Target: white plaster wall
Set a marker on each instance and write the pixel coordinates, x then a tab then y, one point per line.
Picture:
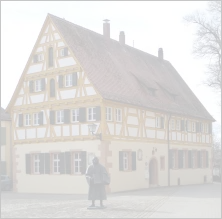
57	37
66	131
178	136
189	137
3	153
57	130
75	130
53	28
37	98
21	134
21	91
118	128
132	131
150	133
39	49
203	138
84	129
86	81
194	137
18	101
174	136
132	120
30	133
111	128
132	110
43	40
41	132
34	68
60	44
150	122
160	134
67	94
207	139
148	113
90	91
66	62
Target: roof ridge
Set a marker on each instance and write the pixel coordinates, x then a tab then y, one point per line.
116	41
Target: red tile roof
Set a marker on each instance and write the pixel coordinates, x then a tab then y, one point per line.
128	75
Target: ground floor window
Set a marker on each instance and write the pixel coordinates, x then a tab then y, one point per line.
55	163
36	162
77	163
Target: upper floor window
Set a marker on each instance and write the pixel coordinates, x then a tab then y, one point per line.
37	58
52	88
77	162
75	115
91	114
27	119
193	126
160	122
64	52
55	162
36	162
108	113
60	116
206	128
178	124
68	80
188	125
172	124
118	115
38	86
50	57
36	119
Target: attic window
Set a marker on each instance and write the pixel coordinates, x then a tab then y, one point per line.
64	52
37	58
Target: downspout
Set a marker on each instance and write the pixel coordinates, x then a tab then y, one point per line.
168	147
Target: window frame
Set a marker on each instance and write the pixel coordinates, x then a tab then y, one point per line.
29	119
36	119
91	114
34	162
178	125
109	114
158	122
57	162
76	115
79	162
38	84
118	112
68	82
60	116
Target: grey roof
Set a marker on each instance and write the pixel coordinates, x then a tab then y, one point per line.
4	116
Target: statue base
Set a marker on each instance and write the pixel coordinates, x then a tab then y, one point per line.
96	207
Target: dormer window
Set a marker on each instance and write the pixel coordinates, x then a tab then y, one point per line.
64	52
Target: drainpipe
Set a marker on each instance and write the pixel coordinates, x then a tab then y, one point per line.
168	147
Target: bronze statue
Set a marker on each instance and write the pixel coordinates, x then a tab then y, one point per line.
97	177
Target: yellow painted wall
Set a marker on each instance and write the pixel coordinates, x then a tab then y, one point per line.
123	181
7	150
51	183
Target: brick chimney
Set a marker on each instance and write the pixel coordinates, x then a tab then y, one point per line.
106	28
122	38
160	53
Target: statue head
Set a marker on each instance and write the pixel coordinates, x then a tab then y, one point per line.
95	160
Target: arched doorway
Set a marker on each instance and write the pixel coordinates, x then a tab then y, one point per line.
153	177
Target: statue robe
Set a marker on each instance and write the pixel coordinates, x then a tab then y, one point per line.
94	177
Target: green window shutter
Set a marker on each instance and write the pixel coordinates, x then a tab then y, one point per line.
52	88
133	160
47	163
197	127
41	118
3	135
42	84
62	163
83	162
50	57
82	114
74	79
182	125
98	113
162	122
60	81
28	163
66	116
31	86
52	117
120	160
42	163
68	162
20	120
180	159
35	58
65	51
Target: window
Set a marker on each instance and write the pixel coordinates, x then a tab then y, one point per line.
36	162
36	119
158	122
27	119
77	163
178	122
193	127
188	125
118	115
75	115
38	85
108	113
91	114
206	128
64	52
201	159
125	160
172	124
37	58
60	116
55	163
162	163
52	88
202	127
50	57
184	159
194	159
68	80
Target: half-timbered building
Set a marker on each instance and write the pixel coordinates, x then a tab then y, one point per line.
150	128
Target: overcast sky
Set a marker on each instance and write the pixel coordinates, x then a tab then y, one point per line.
150	24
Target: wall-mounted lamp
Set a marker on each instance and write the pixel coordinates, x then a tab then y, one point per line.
154	150
92	129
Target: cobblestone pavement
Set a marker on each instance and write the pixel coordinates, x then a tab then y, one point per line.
196	201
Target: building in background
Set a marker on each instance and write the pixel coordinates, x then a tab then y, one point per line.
6	144
150	128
